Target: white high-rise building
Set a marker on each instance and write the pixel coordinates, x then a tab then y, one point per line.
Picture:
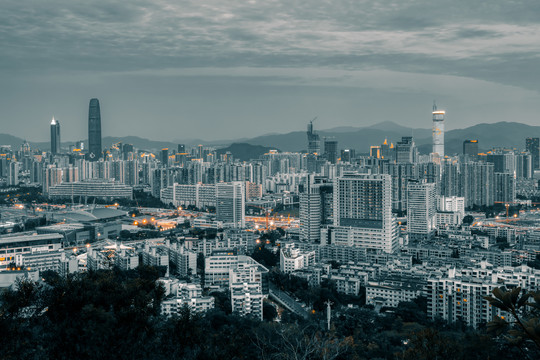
310	215
246	287
363	212
315	207
451	203
230	203
421	207
438	133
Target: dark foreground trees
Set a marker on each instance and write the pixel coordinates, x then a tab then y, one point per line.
520	323
113	314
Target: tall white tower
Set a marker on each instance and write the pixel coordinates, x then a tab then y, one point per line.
438	132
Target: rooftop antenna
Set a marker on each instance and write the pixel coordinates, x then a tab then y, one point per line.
434	106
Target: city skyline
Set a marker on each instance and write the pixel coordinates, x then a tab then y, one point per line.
240	70
270	179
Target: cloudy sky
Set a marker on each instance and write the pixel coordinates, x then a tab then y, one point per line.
224	69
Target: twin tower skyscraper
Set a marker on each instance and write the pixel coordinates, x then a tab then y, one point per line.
94	133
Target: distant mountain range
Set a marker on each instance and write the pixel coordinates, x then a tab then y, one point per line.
502	134
244	152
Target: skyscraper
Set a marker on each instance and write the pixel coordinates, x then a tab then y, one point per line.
94	130
55	137
438	132
347	155
164	157
532	146
406	151
470	147
314	140
330	150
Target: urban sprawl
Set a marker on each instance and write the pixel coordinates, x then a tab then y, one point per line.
384	223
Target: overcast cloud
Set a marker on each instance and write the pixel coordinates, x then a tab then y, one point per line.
230	69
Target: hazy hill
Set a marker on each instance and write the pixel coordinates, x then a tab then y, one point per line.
245	152
13	141
107	141
502	134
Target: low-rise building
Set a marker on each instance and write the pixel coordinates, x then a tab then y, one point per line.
187	295
383	294
120	256
12	245
155	256
293	259
60	261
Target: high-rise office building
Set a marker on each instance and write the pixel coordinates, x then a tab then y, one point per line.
314	140
331	150
375	151
438	132
363	212
230	203
94	131
181	148
55	136
421	207
164	157
127	151
386	150
347	155
470	147
532	145
406	151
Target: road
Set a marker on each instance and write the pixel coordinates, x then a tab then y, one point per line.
287	302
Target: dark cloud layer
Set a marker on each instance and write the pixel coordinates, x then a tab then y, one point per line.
154	49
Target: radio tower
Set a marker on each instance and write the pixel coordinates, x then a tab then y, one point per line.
328	312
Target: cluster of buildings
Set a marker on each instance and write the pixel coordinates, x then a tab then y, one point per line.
391	219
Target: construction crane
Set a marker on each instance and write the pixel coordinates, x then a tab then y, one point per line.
266	211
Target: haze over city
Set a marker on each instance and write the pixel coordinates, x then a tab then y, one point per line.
225	70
